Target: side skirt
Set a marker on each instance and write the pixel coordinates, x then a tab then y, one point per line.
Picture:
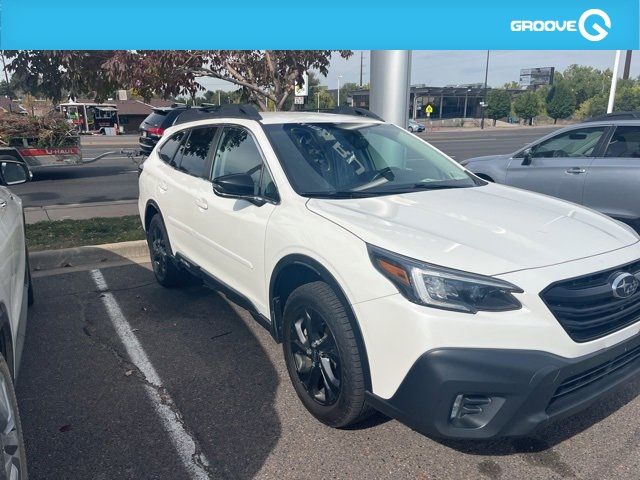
229	292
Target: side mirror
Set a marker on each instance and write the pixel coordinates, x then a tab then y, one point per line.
237	185
526	158
14	173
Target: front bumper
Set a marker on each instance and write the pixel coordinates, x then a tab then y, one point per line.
525	388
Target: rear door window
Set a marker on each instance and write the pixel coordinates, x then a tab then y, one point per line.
169	148
625	143
194	152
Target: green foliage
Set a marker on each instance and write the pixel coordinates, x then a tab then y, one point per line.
527	105
561	101
586	82
499	104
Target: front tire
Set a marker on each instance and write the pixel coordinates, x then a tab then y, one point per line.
167	272
322	356
14	461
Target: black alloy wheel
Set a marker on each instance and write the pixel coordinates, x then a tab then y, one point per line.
316	357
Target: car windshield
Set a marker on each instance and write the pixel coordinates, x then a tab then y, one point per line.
361	159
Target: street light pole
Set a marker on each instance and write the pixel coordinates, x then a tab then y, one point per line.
484	99
339	77
318	95
614	83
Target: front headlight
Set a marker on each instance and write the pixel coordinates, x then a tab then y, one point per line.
444	288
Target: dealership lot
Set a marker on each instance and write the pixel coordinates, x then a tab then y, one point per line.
86	411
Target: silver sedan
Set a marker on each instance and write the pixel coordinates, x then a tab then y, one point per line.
595	164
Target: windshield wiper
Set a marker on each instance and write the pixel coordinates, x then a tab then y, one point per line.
339	194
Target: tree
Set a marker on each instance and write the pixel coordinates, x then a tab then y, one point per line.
526	106
262	73
56	73
512	85
498	104
561	101
586	82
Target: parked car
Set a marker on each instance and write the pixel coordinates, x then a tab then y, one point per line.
16	293
595	164
414	126
395	279
154	126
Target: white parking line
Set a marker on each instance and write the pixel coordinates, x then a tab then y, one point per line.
192	458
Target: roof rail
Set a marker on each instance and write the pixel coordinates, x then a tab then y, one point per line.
219	111
356	111
615	116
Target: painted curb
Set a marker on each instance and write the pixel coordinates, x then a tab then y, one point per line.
92	255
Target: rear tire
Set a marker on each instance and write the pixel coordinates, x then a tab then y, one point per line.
322	356
167	272
14	460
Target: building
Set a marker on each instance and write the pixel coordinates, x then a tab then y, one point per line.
131	113
454	101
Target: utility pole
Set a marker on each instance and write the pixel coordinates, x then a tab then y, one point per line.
390	79
218	97
339	77
484	99
614	83
627	65
361	66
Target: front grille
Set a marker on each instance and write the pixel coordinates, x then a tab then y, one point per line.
586	308
627	361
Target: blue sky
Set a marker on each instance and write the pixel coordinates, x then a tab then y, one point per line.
440	67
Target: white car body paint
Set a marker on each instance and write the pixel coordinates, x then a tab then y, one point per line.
527	239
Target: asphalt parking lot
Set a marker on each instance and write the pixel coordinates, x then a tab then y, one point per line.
221	406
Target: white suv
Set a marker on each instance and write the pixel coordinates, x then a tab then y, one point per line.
395	279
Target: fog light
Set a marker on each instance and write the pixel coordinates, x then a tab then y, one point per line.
474	411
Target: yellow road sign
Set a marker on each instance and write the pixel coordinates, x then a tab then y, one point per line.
428	109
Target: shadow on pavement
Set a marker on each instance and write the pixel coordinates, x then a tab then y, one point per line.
84	409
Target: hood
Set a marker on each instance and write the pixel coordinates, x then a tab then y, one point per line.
488	230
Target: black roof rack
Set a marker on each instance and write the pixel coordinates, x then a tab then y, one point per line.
218	111
355	111
615	116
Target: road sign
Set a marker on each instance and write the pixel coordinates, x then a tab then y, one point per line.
302	90
298	100
428	109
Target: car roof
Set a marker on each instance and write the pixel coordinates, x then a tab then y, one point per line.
269	118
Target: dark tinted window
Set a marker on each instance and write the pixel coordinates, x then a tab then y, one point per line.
170	147
368	158
238	153
194	151
625	143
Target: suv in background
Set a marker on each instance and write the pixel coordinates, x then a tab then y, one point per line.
595	164
396	279
16	293
154	126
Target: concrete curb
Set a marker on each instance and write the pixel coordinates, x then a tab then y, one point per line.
51	262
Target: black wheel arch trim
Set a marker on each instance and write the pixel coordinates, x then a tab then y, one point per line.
276	307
